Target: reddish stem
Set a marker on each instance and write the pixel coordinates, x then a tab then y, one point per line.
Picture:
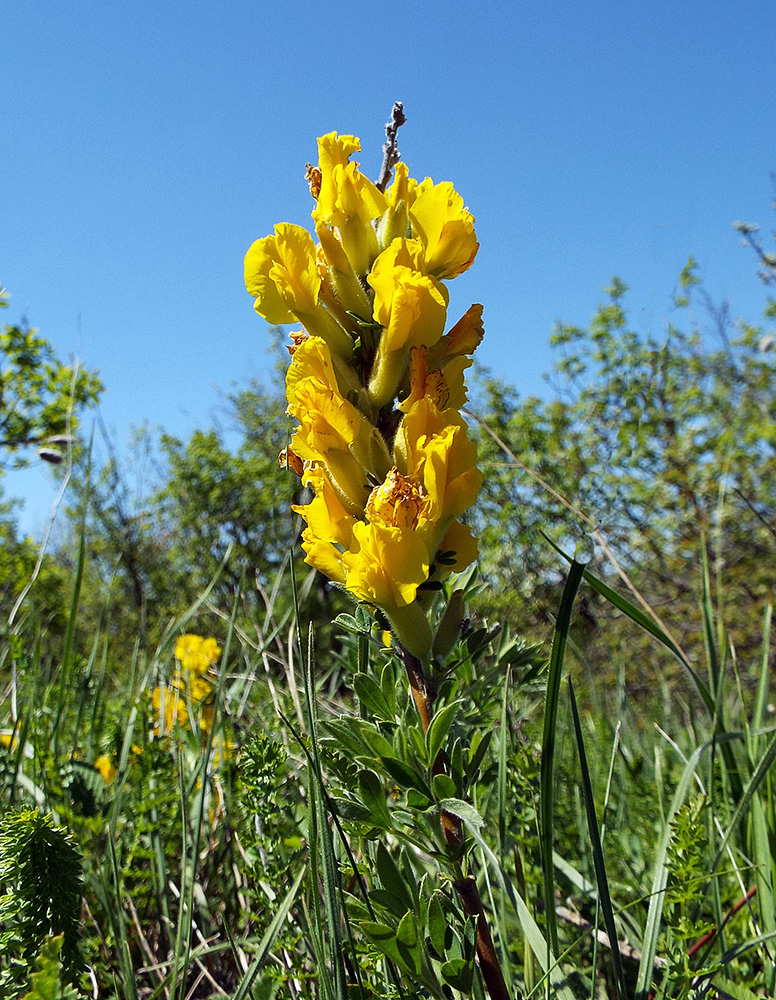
423	694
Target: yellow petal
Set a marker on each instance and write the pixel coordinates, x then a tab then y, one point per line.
446	229
388	567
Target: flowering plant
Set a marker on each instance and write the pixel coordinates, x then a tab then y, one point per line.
376	386
375	383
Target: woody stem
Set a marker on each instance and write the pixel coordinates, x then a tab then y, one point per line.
423	694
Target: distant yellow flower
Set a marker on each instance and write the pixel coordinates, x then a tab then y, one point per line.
197	654
105	766
8	739
169	707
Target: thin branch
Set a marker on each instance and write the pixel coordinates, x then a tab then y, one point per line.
391	154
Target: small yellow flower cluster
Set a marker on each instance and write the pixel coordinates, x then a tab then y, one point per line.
105	766
190	685
375	383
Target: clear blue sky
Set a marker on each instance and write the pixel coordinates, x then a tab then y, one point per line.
146	145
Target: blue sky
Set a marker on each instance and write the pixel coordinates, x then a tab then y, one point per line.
148	144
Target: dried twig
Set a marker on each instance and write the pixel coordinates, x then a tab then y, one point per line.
391	154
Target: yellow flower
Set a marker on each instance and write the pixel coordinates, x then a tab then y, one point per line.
459	548
386	569
445	387
8	739
445	228
331	429
348	201
387	566
464	338
326	515
197	654
394	223
333	151
105	766
281	273
324	556
169	707
398	502
412	309
432	446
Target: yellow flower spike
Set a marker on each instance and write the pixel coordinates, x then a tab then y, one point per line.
412	309
281	273
197	654
445	228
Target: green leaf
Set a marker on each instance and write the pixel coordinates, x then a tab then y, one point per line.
405	776
417	800
464	811
387	900
391	878
546	799
373	740
405	953
437	926
408	942
388	688
437	731
444	787
349	809
371	696
732	991
459	974
373	796
349	624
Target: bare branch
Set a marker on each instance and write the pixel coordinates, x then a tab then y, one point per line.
391	154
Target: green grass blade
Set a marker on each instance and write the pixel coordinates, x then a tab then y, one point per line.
547	782
660	878
755	780
602	881
322	846
244	988
761	700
